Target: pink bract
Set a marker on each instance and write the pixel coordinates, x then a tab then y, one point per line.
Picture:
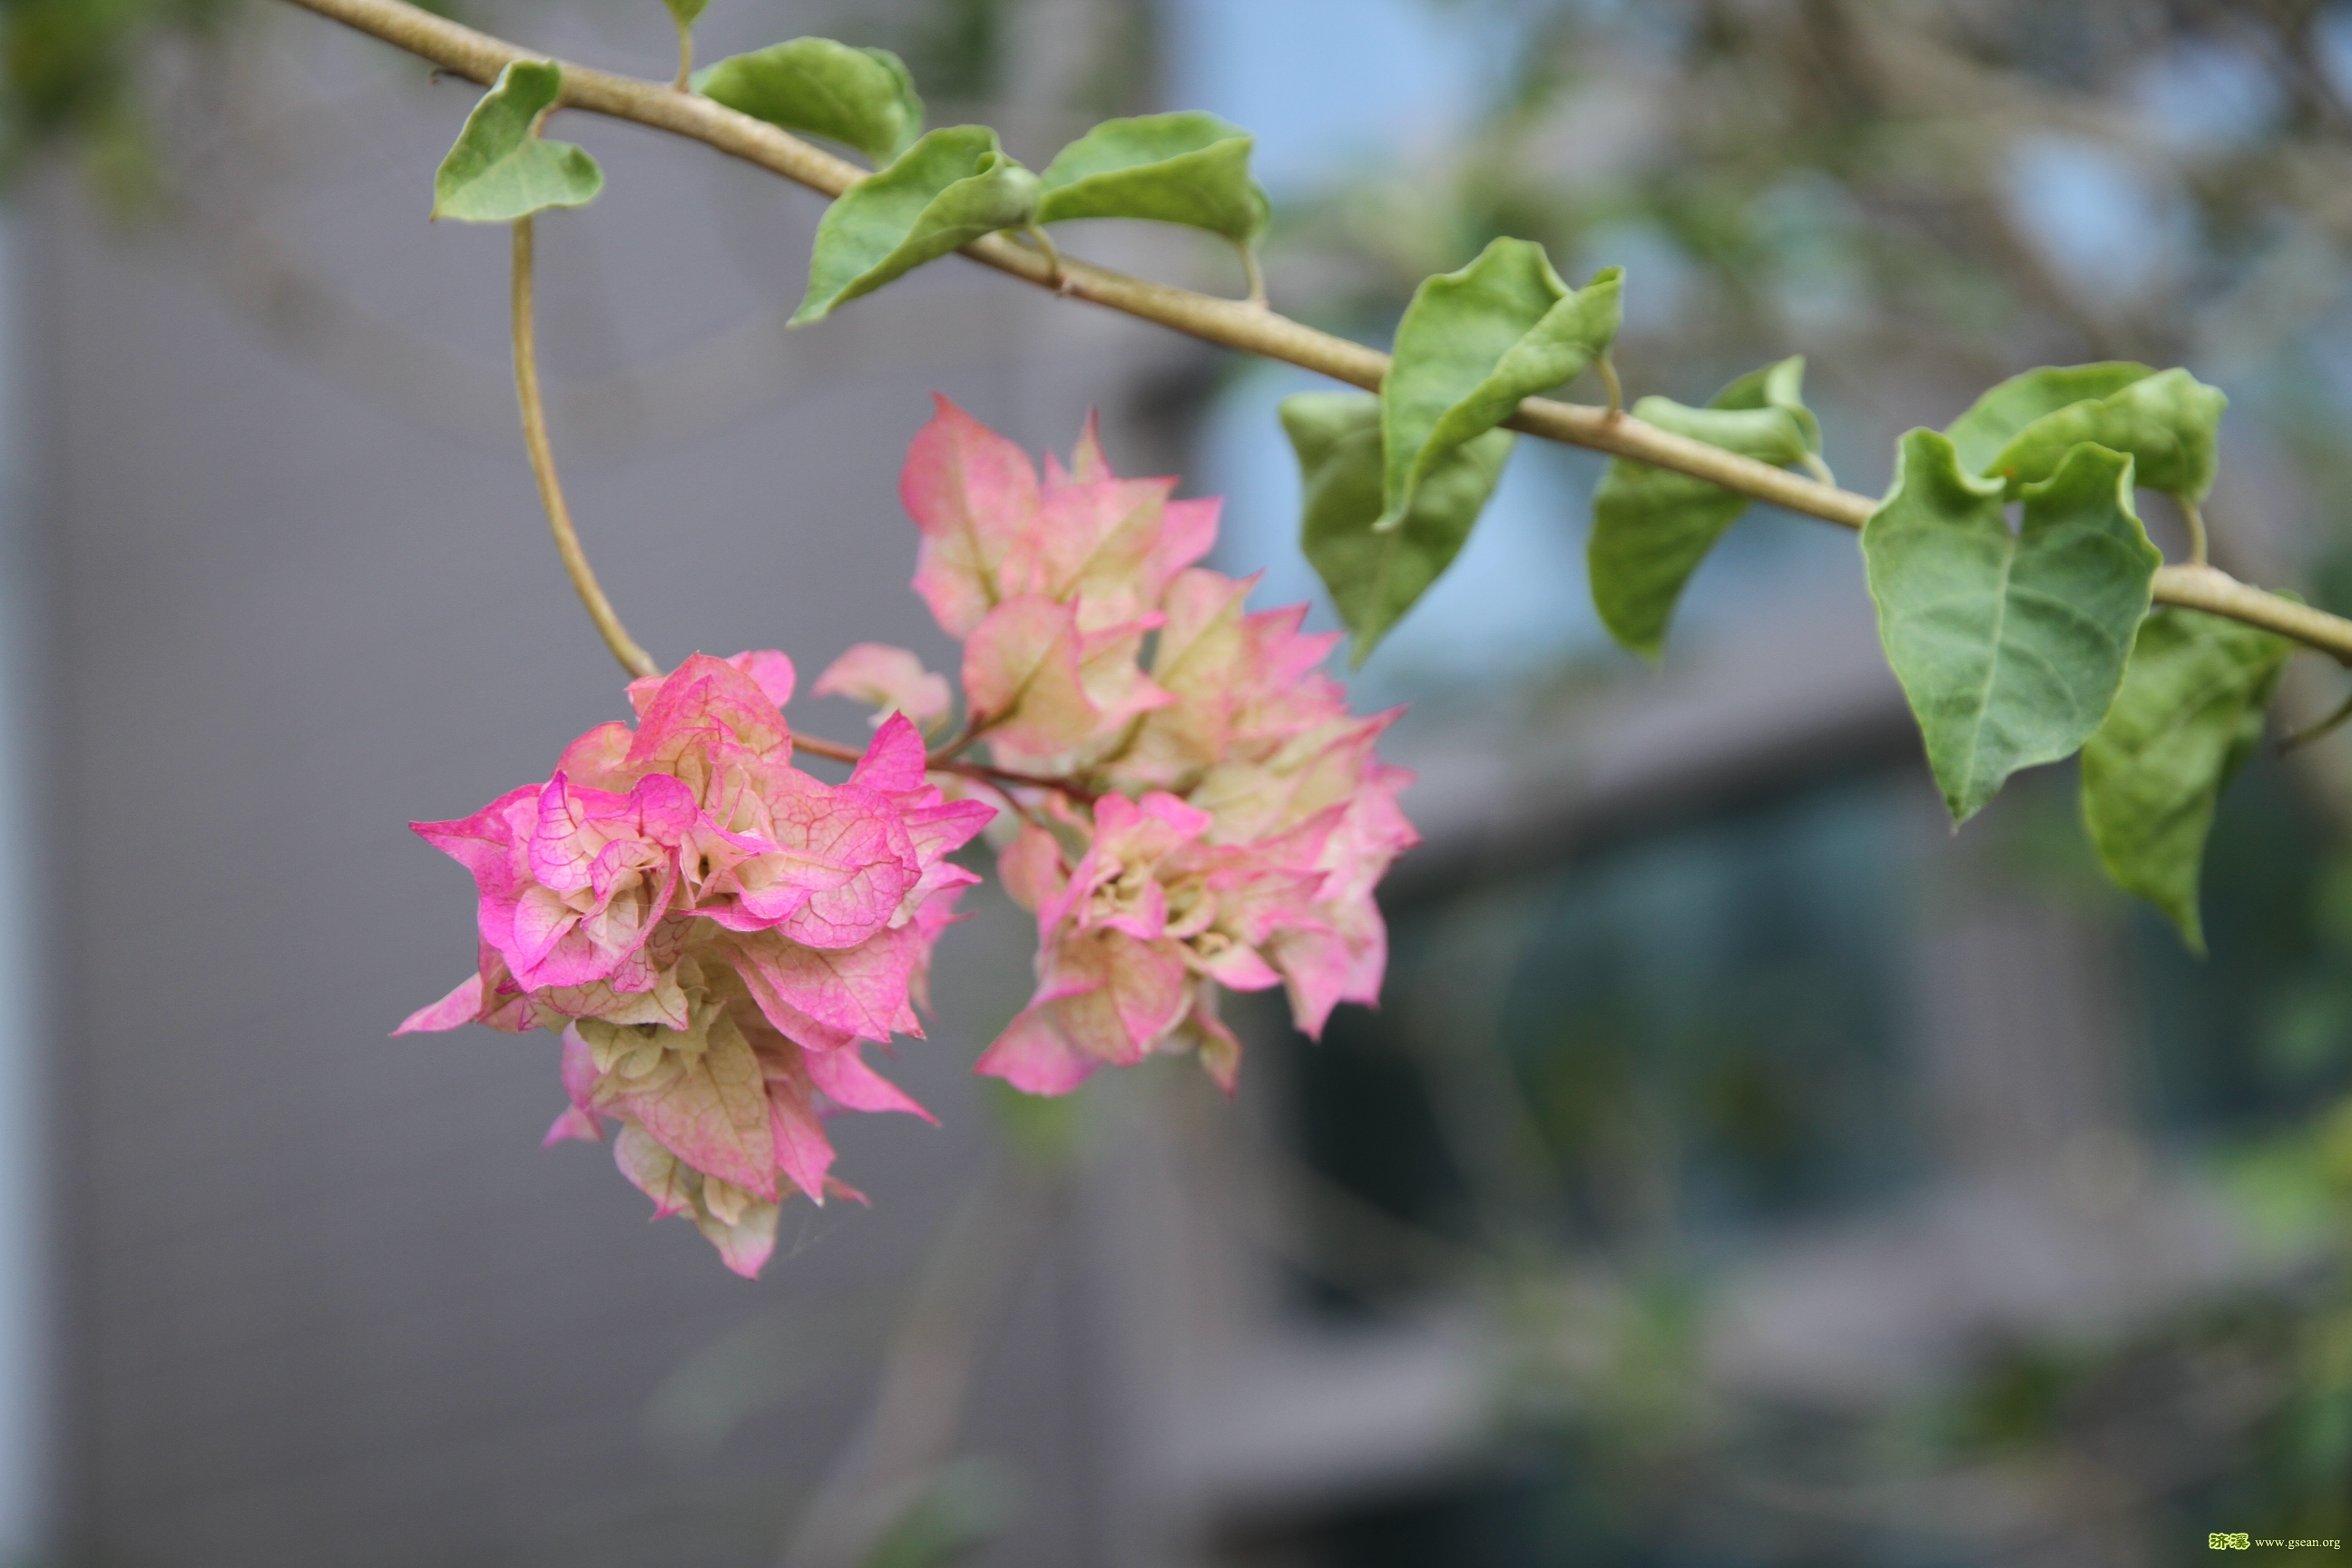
715	934
1223	820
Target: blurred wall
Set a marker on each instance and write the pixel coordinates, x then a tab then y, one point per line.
327	1299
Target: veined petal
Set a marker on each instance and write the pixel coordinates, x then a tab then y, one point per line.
1031	868
891	679
462	1005
848	1080
745	1240
895	760
861	990
802	1152
699	717
1119	997
1034	1057
1048	687
572	1124
712	1112
974	494
653	1171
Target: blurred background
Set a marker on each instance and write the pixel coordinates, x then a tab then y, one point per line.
1742	1169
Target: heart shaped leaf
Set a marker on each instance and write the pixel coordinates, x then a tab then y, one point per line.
2168	421
2188	718
948	189
499	171
1472	345
1188	167
1374	575
2009	645
863	98
1652	527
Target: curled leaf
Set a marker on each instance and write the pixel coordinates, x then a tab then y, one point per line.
1189	167
1994	419
2168	420
1475	344
948	189
861	98
1652	527
2188	718
1376	575
2010	647
500	170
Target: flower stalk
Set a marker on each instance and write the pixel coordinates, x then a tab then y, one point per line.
633	658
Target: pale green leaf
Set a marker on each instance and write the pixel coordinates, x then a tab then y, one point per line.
1472	345
2009	645
2168	420
1188	168
686	12
1375	575
2169	423
948	189
1996	417
500	170
1652	527
863	98
2189	716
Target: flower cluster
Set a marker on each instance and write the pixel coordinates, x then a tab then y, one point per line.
714	933
1217	817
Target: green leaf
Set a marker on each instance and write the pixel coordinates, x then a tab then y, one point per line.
1188	168
2009	645
949	188
686	12
2168	420
2010	407
500	170
1652	527
860	97
1374	574
1474	343
2188	718
946	1517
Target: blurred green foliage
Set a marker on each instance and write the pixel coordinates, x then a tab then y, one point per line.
70	72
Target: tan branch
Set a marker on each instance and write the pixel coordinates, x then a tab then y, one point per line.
1236	324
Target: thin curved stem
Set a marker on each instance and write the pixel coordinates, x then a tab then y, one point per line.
946	762
685	82
2295	739
1236	323
633	659
1253	275
826	749
2195	518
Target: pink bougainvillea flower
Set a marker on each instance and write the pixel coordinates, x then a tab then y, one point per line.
1224	819
1052	692
715	934
891	680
